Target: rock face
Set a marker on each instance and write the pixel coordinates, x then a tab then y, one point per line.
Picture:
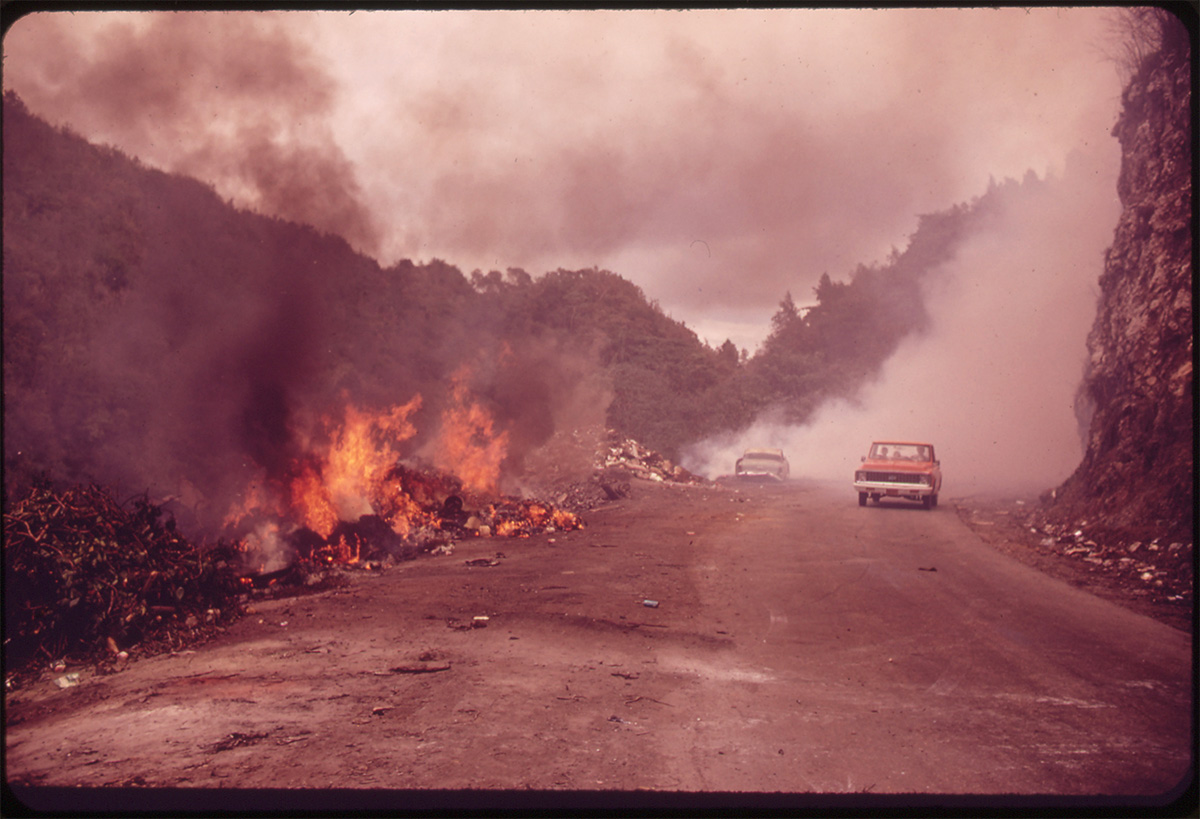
1136	478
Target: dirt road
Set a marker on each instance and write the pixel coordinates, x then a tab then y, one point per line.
800	645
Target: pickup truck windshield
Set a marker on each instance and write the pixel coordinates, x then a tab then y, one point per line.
900	452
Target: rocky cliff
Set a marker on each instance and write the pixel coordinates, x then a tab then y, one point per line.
1136	480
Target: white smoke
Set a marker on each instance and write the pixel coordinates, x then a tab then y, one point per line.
992	383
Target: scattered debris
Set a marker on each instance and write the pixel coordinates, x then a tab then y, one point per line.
67	680
629	455
582	468
476	622
651	699
650	604
1135	561
924	569
236	740
289	740
419	669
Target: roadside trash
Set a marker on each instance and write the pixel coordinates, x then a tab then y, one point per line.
479	621
419	669
482	561
925	569
235	740
650	604
381	709
615	718
67	680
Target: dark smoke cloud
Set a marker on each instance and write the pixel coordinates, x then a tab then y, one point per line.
716	158
234	99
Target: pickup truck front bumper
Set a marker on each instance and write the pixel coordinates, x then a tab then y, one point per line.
890	489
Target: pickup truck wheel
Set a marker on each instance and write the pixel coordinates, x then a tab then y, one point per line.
933	499
862	498
927	501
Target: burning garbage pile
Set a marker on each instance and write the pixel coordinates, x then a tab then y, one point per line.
352	500
416	509
87	580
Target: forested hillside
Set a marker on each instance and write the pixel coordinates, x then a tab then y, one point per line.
155	337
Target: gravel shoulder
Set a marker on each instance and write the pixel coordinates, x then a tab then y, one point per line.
1155	579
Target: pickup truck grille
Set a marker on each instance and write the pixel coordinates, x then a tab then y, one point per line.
893	477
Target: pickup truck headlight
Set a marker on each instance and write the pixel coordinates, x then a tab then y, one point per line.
923	480
860	476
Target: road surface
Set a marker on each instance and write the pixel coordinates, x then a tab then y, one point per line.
801	646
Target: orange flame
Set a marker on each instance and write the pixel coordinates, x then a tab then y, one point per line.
352	469
344	482
361	451
310	497
467	444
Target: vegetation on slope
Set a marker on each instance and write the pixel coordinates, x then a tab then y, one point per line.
156	337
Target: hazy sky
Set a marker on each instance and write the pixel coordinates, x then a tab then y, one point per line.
715	158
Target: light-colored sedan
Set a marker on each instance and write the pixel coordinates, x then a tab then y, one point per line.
762	463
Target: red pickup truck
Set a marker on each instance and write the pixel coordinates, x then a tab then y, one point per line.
899	469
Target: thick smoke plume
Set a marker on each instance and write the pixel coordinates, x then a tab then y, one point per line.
234	99
716	158
993	383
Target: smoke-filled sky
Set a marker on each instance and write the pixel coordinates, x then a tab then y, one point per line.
716	158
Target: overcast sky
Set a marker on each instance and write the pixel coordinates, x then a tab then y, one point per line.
716	158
